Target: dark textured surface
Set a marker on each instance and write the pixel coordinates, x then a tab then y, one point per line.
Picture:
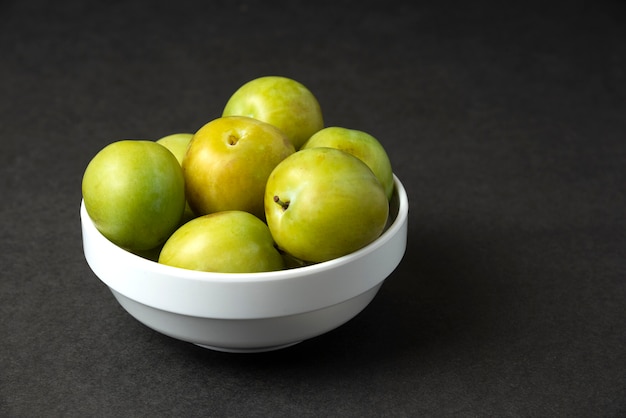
506	123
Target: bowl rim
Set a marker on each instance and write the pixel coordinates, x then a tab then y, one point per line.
277	275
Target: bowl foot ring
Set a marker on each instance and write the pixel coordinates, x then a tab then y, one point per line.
248	350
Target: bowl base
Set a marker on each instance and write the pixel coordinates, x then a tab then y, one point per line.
248	350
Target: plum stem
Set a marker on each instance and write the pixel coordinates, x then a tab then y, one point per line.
284	205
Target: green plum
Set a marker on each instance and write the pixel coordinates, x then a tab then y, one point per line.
323	203
224	242
228	162
279	101
178	144
134	193
360	144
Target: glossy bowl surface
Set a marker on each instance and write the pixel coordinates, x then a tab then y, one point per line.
240	312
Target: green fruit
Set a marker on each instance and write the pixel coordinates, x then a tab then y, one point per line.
178	144
360	144
279	101
323	203
224	242
134	193
228	162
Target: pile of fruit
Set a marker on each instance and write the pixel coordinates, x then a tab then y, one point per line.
265	186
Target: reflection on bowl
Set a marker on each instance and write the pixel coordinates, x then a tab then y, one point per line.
239	312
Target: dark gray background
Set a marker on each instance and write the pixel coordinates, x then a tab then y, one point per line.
506	121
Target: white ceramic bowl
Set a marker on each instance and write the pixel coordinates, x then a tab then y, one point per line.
240	312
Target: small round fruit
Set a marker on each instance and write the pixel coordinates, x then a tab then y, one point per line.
279	101
177	144
323	203
223	242
134	193
360	144
228	162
